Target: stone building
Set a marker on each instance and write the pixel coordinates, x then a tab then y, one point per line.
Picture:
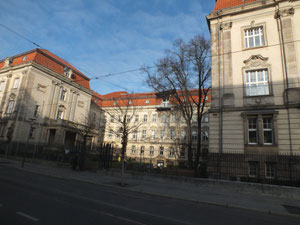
255	105
42	97
159	131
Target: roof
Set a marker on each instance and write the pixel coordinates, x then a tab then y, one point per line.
223	4
121	98
50	61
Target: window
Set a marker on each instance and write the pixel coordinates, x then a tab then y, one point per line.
254	37
172	152
194	119
162	134
142	150
10	106
16	83
164	119
152	134
36	111
165	103
130	102
253	169
151	150
31	131
63	95
161	151
183	135
173	118
193	152
110	134
145	118
134	135
133	149
173	134
257	82
60	114
261	130
205	118
2	85
182	152
205	135
115	103
194	135
252	131
112	119
144	132
270	170
128	118
147	101
136	119
154	118
268	130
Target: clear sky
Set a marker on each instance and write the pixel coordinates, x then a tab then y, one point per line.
102	37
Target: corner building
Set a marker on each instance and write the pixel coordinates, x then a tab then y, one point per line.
255	105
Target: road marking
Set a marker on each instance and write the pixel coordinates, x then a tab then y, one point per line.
122	218
27	216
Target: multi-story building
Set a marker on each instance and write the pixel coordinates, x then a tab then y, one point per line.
42	97
158	133
255	104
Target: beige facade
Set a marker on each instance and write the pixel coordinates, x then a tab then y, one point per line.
160	134
43	97
255	104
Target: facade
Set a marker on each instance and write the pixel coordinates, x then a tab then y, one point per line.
255	104
44	100
158	133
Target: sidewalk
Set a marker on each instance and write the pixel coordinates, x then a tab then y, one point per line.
179	190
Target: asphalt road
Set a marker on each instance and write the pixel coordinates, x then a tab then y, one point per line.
27	198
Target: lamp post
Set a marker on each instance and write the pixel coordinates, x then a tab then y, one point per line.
29	136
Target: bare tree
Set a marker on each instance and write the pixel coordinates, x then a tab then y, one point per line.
86	129
184	74
123	123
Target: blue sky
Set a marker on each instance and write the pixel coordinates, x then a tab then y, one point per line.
101	36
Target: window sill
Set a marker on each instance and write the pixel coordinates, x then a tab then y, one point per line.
261	145
256	47
259	96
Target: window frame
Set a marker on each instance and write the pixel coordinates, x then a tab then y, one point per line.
248	83
253	26
16	83
2	85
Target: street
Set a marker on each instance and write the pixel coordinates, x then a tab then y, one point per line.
28	198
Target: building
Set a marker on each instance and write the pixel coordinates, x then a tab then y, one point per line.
255	105
44	100
158	133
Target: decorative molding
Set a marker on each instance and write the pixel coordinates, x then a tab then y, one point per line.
284	12
226	26
256	60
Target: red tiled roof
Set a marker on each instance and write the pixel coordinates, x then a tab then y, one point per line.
138	99
222	4
50	61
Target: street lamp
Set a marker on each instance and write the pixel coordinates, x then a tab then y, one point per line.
29	136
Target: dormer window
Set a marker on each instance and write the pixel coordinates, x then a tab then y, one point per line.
165	103
130	102
68	72
147	101
115	103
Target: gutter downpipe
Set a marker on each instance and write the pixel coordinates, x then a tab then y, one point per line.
220	100
278	17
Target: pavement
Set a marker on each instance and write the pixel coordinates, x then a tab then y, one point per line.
211	195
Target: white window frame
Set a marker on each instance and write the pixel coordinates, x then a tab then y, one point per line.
257	82
136	118
268	128
2	83
161	151
152	134
142	150
60	114
133	149
134	135
172	152
145	118
144	134
256	34
16	83
162	134
154	117
164	118
10	106
252	129
63	94
151	151
173	135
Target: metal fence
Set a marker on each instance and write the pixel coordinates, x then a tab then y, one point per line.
272	168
